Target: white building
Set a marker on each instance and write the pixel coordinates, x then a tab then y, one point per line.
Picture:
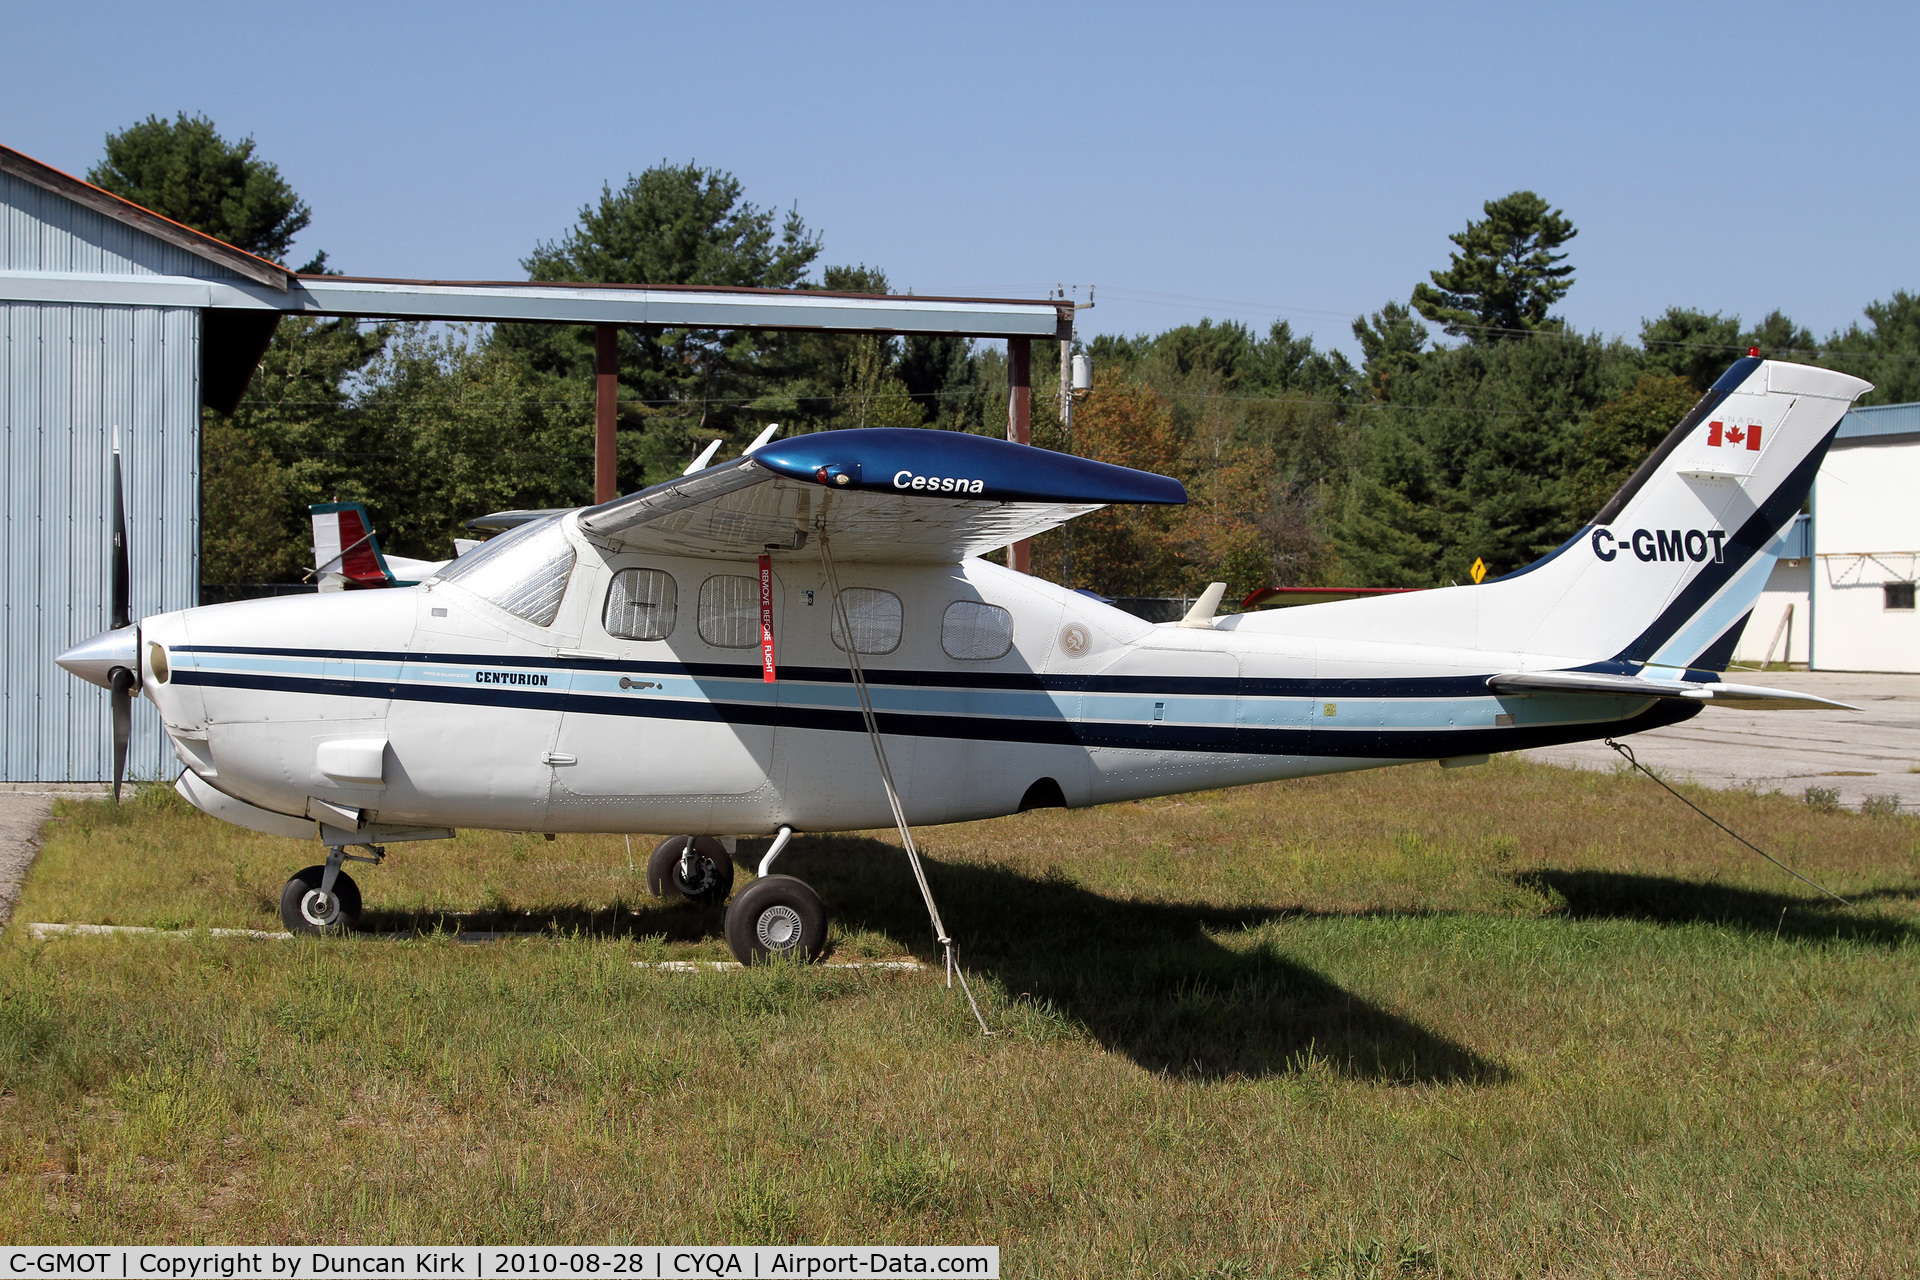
1866	544
1841	596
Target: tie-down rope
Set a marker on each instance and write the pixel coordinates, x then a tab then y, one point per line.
852	648
1626	753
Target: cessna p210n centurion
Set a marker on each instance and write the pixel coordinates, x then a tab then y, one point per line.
806	638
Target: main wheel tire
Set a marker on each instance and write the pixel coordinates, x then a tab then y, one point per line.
712	880
777	917
303	911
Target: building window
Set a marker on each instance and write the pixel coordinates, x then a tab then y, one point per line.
1899	595
641	604
874	616
730	611
976	632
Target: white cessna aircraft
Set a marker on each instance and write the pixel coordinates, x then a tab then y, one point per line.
708	656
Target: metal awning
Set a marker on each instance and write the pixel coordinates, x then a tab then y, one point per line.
663	306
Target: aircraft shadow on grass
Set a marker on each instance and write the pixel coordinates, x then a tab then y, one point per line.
1599	895
1145	979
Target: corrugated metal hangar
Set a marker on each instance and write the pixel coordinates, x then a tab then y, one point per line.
117	320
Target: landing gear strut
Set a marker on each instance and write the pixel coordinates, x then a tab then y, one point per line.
324	899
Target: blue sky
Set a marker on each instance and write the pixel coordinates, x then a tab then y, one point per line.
1254	162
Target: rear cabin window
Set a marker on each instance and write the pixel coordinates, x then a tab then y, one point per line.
976	632
729	615
874	616
523	571
641	604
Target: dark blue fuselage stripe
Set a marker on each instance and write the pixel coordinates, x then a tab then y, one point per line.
1466	686
1235	740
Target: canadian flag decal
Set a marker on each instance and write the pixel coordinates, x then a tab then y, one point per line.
1720	434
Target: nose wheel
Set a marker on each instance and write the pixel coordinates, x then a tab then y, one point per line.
307	908
324	899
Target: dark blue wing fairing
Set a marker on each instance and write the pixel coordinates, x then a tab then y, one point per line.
953	464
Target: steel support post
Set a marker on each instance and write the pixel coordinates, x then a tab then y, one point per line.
606	392
1020	425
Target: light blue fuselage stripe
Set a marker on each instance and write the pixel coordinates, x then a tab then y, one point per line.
1200	710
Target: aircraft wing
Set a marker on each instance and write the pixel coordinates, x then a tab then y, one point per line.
501	521
891	494
1744	697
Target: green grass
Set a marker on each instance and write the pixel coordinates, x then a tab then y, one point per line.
1508	1021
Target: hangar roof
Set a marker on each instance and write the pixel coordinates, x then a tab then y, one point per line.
1874	420
239	261
264	287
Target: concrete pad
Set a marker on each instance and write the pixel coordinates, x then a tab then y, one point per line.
21	816
1870	752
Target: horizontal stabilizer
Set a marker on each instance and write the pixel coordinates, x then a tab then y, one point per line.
1745	697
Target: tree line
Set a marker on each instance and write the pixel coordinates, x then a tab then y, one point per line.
1304	468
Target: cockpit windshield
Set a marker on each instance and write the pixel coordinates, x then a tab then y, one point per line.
523	570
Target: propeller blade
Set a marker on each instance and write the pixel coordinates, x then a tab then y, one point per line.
122	725
120	614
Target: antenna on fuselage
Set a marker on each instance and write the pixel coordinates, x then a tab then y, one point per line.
1201	615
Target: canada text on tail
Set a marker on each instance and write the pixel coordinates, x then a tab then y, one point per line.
1660	582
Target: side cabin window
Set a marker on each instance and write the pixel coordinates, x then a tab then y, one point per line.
523	571
874	616
729	614
976	632
641	604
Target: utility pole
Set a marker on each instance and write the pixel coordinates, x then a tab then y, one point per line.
1020	426
606	396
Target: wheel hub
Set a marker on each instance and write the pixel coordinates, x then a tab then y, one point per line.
320	909
700	879
778	928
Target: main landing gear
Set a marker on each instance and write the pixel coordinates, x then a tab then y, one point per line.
324	899
775	917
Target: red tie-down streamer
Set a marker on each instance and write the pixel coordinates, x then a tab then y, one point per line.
766	619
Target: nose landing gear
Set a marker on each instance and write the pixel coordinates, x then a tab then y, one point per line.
324	899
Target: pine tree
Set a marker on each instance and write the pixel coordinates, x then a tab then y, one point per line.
1506	274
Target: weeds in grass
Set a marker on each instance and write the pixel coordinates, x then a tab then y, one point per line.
1822	799
1880	806
1374	1260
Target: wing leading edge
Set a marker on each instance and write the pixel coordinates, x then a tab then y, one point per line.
1744	697
889	494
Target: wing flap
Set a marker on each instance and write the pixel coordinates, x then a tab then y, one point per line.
1745	697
